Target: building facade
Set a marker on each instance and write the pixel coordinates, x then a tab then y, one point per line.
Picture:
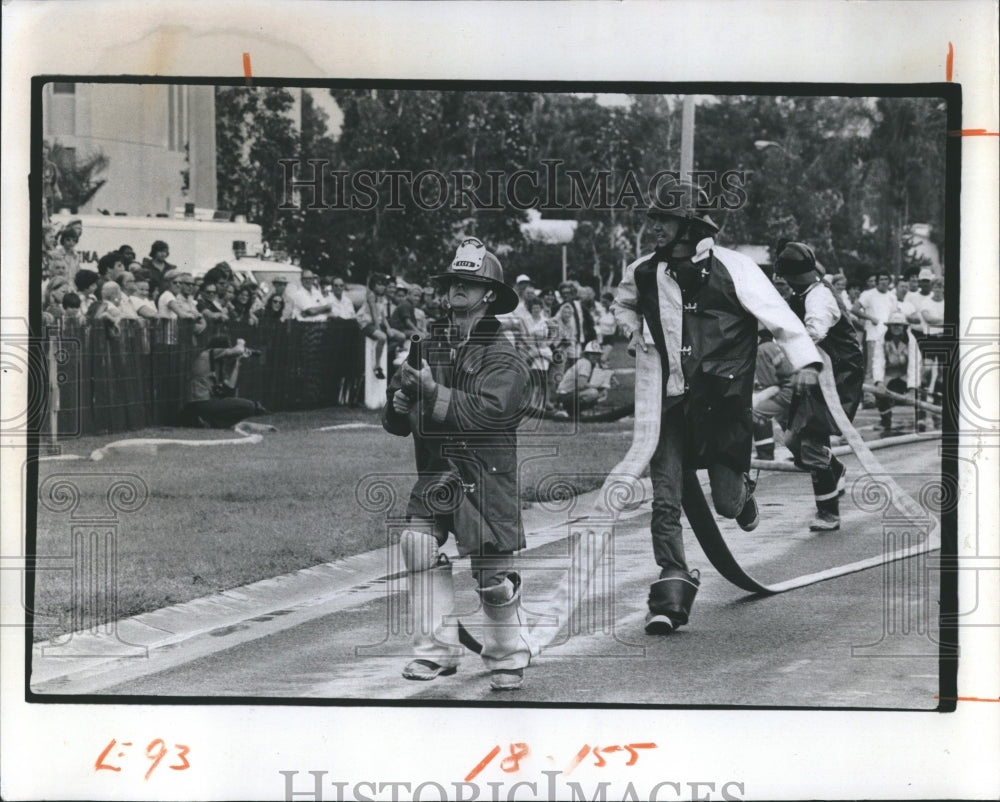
159	140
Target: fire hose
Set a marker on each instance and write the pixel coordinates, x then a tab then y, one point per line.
623	485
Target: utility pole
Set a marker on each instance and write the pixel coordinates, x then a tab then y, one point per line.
687	137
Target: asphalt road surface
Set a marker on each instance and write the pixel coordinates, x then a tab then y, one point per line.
864	640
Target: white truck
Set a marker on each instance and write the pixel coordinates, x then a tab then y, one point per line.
196	245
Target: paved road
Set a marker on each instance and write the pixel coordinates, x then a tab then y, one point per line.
862	640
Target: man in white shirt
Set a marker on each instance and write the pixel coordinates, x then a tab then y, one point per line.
921	297
516	322
166	304
138	293
341	305
904	301
874	307
306	302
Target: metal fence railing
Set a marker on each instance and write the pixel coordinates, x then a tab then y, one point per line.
110	381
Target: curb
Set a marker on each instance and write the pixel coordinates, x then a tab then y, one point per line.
78	655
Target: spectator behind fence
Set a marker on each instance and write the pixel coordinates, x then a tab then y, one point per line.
211	397
607	326
581	319
107	310
221	271
403	317
305	302
541	333
127	307
157	266
550	301
210	306
565	345
516	322
930	339
432	305
227	295
52	308
341	305
166	304
374	320
274	304
137	290
874	307
86	282
901	291
127	253
63	258
72	308
243	306
110	266
922	296
186	301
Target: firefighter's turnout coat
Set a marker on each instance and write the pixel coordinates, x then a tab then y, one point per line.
701	315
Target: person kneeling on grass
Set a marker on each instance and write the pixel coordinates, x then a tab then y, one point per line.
212	401
584	384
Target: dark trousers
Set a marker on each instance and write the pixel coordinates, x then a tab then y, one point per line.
730	490
219	413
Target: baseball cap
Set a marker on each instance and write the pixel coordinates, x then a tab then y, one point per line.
926	274
524	278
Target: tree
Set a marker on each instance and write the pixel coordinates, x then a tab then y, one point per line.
847	175
77	181
254	131
428	133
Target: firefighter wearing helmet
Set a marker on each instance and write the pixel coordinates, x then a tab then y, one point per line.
462	408
696	307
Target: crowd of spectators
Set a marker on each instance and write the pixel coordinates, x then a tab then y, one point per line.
565	333
554	327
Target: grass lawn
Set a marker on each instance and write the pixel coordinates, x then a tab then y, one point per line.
222	516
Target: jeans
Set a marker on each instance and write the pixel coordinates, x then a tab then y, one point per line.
730	489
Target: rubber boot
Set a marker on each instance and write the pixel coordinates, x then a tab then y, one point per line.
827	501
749	516
839	474
431	591
763	438
506	651
670	600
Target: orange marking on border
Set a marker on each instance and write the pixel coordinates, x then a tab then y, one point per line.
246	69
966	699
482	763
577	759
949	62
973	132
